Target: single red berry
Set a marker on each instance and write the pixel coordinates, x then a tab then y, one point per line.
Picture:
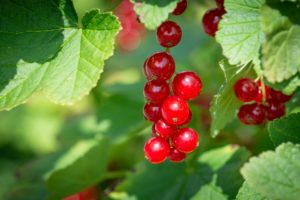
188	120
176	156
87	194
275	110
152	112
175	110
156	91
156	150
180	8
146	73
252	114
186	140
168	34
187	85
246	89
163	129
154	133
279	96
160	66
220	3
259	98
211	19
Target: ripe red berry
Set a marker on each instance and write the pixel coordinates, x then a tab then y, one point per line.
180	8
279	96
275	110
175	110
146	73
187	85
159	66
246	89
176	156
152	112
259	98
87	194
156	91
156	150
252	114
186	140
188	120
163	129
211	19
220	3
168	34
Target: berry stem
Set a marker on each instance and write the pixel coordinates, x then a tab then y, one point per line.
263	89
168	50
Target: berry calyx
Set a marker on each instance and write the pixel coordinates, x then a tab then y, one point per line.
175	110
211	19
163	129
275	110
187	85
252	114
260	95
186	140
180	8
168	34
156	91
159	66
279	96
246	89
152	112
176	156
156	150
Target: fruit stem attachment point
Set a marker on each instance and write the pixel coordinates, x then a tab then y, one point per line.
168	50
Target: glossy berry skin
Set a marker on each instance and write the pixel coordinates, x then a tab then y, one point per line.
156	91
145	71
278	96
275	110
152	112
156	150
246	89
188	120
220	3
186	140
163	129
180	8
259	98
176	156
175	110
160	66
187	85
252	114
211	19
87	194
153	131
168	34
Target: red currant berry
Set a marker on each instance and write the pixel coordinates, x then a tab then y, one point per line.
220	3
275	110
259	98
187	85
160	66
252	114
246	89
156	150
185	140
169	34
146	73
279	96
163	129
175	110
188	120
180	8
211	19
152	112
176	156
156	91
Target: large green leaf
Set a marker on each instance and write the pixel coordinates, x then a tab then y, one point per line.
286	129
153	12
247	193
215	168
43	49
275	174
209	192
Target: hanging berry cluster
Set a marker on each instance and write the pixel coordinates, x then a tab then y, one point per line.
212	17
167	105
262	102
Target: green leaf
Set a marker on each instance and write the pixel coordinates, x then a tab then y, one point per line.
240	33
247	193
153	12
43	49
169	181
285	129
275	174
209	192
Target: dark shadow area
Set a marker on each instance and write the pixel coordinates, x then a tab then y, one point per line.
160	3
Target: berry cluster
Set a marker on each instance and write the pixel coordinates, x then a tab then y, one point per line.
166	99
212	17
263	102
